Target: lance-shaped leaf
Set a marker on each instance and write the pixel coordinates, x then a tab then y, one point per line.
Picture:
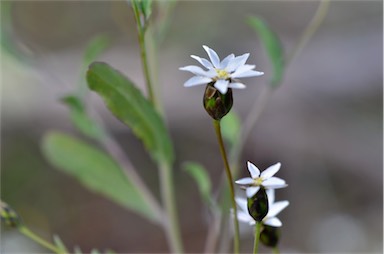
272	45
95	170
82	121
230	127
129	105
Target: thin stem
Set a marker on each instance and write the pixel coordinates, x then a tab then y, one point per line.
257	237
171	223
310	29
115	150
276	250
28	233
141	28
230	181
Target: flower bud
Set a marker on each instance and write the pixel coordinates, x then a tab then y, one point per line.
258	205
217	104
9	216
270	236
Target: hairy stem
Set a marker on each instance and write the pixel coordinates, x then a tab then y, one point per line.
230	182
257	237
28	233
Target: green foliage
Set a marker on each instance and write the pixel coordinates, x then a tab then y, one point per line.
272	46
200	175
230	127
81	120
95	47
95	170
129	105
59	244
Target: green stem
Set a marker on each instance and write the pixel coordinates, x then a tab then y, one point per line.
257	237
141	28
28	233
310	29
230	181
172	223
276	250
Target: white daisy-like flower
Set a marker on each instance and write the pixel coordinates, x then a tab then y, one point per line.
265	179
270	219
223	73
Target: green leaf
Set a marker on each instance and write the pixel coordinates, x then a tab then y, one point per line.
200	175
81	120
95	47
95	170
146	8
129	105
59	244
272	45
230	127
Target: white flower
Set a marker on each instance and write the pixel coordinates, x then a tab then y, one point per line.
223	73
270	219
265	179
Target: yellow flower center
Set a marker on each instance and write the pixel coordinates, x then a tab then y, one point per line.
258	181
222	74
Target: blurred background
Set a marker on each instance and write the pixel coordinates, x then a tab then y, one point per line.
324	124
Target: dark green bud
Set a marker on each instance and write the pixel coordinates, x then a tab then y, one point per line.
258	205
217	104
270	236
8	216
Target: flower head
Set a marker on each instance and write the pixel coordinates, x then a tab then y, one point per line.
223	74
270	219
265	179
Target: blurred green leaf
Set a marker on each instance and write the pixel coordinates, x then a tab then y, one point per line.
230	127
272	45
77	250
95	251
146	8
81	120
95	170
95	47
59	244
200	175
129	105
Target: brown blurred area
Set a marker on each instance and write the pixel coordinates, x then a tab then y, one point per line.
324	124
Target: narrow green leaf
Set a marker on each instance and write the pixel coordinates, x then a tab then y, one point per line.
230	127
200	175
129	105
77	250
95	251
95	170
95	47
81	120
59	244
146	8
272	45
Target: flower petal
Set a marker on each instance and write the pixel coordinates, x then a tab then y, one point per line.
242	203
251	191
276	208
237	62
274	222
197	80
244	217
226	60
245	181
236	85
222	85
242	69
253	170
271	196
270	171
213	56
203	61
248	74
274	183
195	70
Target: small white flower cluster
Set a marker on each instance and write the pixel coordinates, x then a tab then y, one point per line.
253	184
223	73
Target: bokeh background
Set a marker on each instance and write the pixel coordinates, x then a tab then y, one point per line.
324	123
